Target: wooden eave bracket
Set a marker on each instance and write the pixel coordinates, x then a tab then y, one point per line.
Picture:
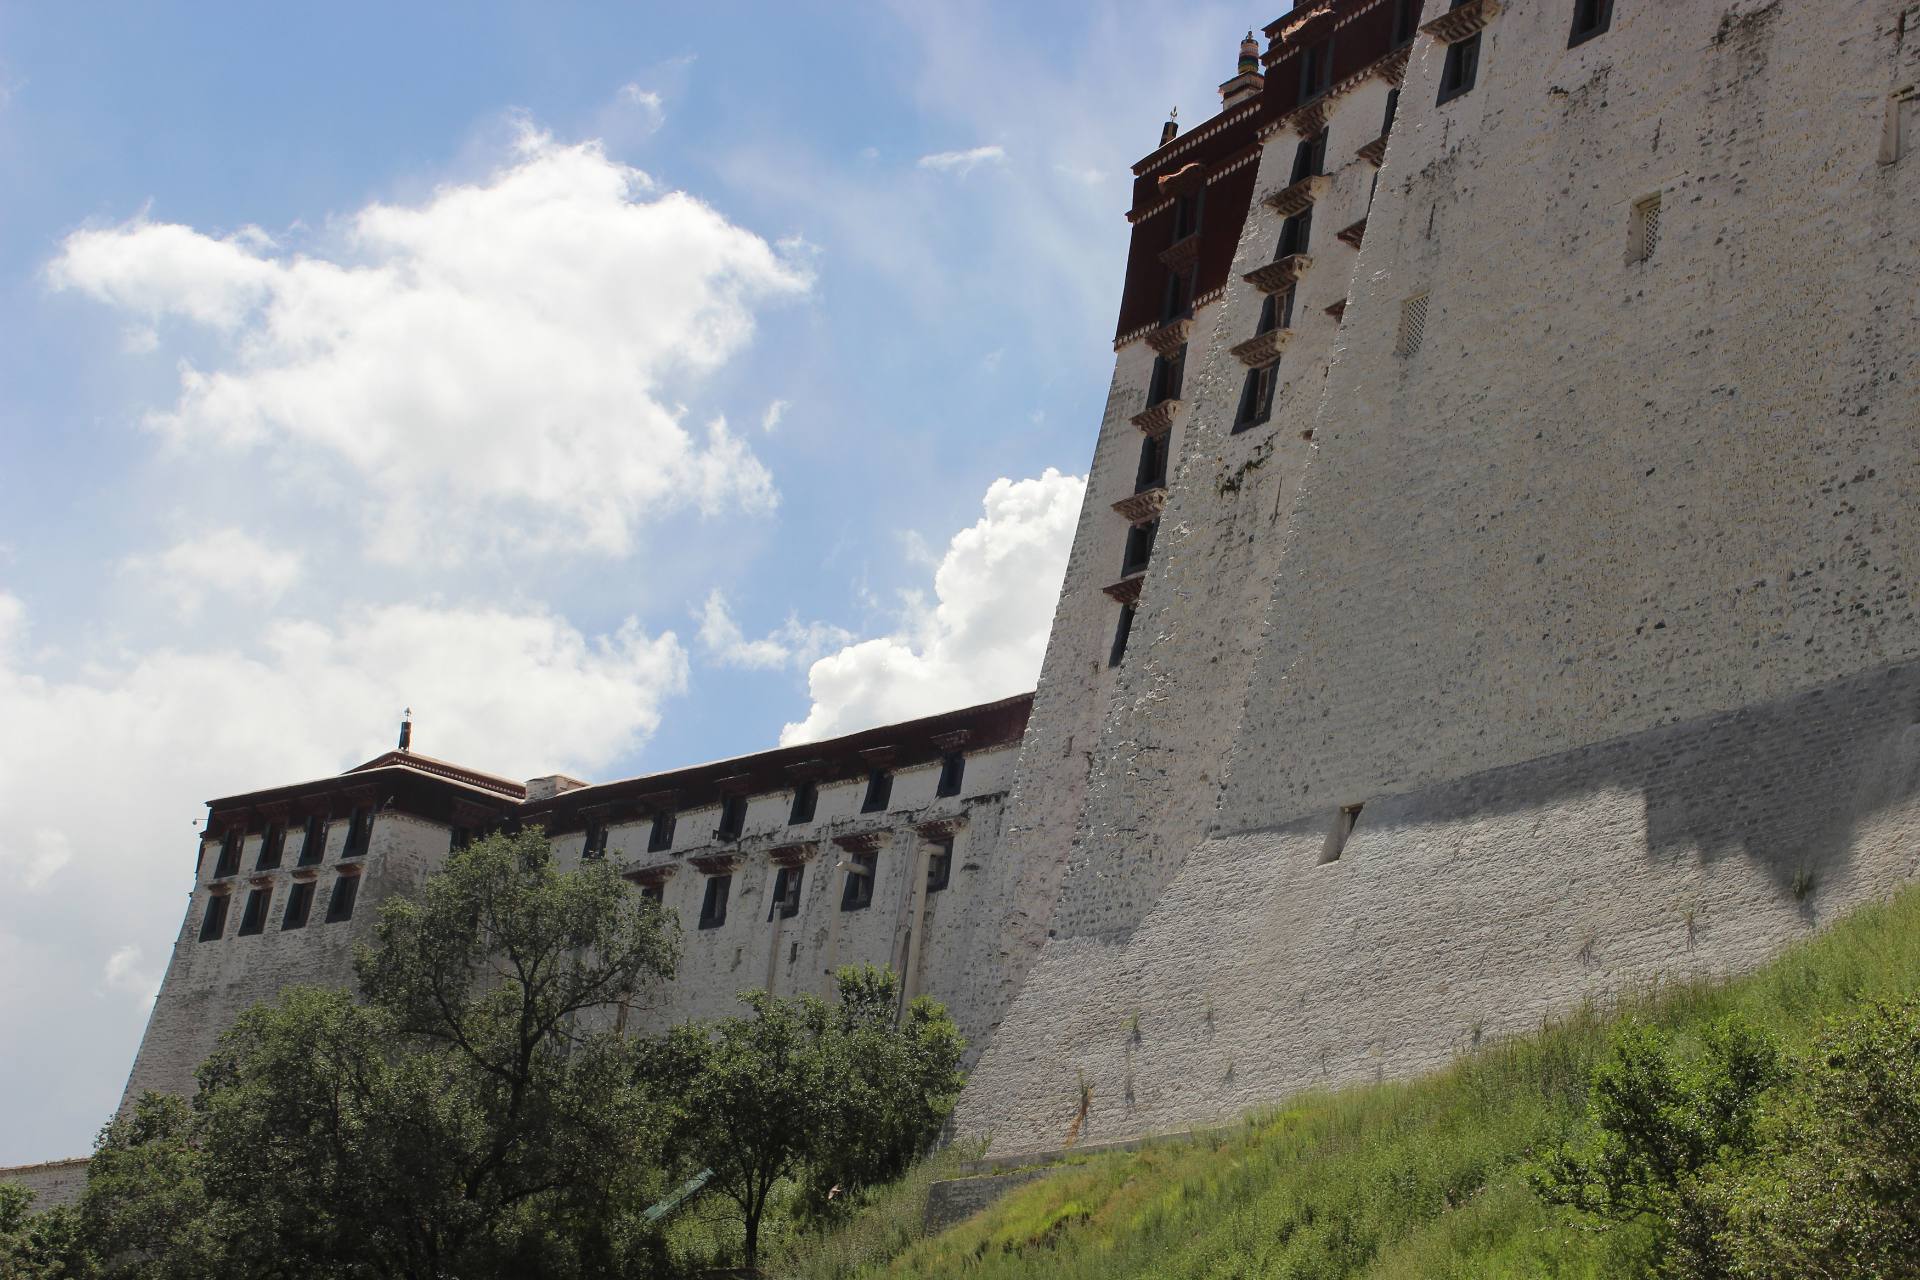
1141	507
658	873
862	841
952	739
717	864
942	828
879	757
1280	275
1188	179
1393	67
1353	233
1182	253
1156	420
1298	197
1375	152
1127	590
1171	336
1261	348
793	855
1338	310
1463	23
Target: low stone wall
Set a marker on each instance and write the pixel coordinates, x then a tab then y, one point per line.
53	1183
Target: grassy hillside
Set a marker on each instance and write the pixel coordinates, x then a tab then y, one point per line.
1402	1180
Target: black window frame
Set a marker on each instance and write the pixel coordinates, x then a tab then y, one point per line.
1176	303
1461	72
655	891
1316	70
1169	372
1406	22
660	835
713	904
299	906
359	833
1590	18
940	866
1186	216
593	841
953	774
1393	109
213	921
1137	554
879	791
341	901
313	841
1122	631
1296	234
1256	397
1152	471
253	916
806	803
733	818
786	892
863	868
1276	313
273	844
232	841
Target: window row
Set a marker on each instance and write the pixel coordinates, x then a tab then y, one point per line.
254	915
805	803
856	893
313	843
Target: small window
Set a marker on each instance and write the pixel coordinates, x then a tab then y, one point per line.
953	771
1590	18
1413	325
1168	373
340	905
593	846
1152	472
229	861
299	906
1178	299
806	799
1316	70
214	922
1406	21
858	893
733	818
272	845
940	866
1256	396
656	892
1275	313
1139	547
313	843
661	837
713	908
1644	229
1295	234
359	833
1343	824
253	918
1186	216
1121	630
879	791
1462	68
1309	158
1393	106
786	893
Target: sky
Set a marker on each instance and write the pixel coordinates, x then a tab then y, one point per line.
619	387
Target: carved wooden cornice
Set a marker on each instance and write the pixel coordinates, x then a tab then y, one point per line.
879	757
657	874
1280	275
717	864
734	784
1375	152
1141	507
1156	420
1171	336
1181	254
1353	233
1393	67
1188	179
1463	23
1261	348
938	829
221	888
793	855
952	740
863	841
1127	590
1338	310
1299	197
306	873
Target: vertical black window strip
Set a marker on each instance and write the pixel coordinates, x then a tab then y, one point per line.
214	922
1122	630
299	905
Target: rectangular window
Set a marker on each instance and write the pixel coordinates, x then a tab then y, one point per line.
229	861
940	866
786	893
1275	313
340	905
858	894
313	843
1413	325
1178	300
1590	18
1461	70
214	922
253	918
1316	70
593	847
1186	217
299	906
1168	372
661	837
1343	824
459	838
359	833
272	844
733	818
879	791
806	799
1139	547
1121	631
1309	158
1644	229
953	771
1152	472
1406	21
1295	234
713	908
655	893
1256	396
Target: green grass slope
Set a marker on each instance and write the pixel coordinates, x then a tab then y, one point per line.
1417	1179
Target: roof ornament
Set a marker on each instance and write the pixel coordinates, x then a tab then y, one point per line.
1171	127
406	730
1249	55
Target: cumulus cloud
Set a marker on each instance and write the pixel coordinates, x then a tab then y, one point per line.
222	562
981	638
963	162
104	770
497	367
795	643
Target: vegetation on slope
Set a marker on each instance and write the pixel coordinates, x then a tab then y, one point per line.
1433	1178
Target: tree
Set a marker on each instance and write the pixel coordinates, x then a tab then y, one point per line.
38	1246
474	1115
798	1090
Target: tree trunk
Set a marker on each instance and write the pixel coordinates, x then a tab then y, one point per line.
752	1248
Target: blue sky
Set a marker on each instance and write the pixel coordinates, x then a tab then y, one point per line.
620	387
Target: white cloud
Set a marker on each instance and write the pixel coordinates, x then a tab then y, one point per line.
775	412
985	634
103	772
963	162
795	643
225	562
645	101
496	368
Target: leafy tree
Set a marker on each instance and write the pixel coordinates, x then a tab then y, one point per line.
38	1246
799	1090
474	1116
